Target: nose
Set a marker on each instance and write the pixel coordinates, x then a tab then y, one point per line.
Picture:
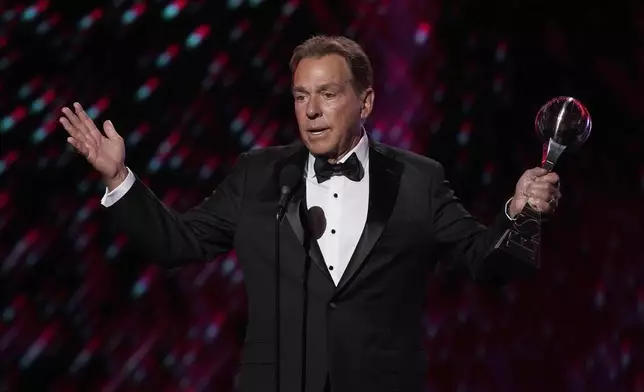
313	110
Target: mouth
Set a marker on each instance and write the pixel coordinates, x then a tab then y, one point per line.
317	131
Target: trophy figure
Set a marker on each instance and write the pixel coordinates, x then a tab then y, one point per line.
563	122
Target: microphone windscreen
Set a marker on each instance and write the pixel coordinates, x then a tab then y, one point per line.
317	222
289	177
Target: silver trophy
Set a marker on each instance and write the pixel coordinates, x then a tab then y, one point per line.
562	123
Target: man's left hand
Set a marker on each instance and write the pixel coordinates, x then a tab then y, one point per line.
537	187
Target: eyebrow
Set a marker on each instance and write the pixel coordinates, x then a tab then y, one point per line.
322	87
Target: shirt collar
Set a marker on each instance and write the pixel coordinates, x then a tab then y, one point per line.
361	150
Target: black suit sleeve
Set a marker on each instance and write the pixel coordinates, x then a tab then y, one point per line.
464	244
202	233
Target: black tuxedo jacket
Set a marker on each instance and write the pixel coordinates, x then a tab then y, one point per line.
365	334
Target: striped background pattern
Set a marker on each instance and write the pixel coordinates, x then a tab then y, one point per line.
190	84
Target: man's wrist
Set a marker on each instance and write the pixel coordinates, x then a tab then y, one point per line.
117	180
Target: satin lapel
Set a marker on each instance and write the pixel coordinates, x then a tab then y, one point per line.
384	181
296	216
295	211
318	259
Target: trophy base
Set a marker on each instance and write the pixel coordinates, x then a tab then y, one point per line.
523	239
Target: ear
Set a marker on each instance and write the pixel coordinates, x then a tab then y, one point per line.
368	97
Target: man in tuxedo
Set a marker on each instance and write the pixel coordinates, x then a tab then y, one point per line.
377	220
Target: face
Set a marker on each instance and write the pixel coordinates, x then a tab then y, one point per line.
328	109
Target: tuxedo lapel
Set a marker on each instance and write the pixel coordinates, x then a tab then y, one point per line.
296	214
384	182
296	209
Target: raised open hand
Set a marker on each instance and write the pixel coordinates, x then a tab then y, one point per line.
105	152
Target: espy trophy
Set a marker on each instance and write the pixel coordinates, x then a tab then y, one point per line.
563	122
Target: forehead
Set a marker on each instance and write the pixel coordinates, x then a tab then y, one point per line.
313	71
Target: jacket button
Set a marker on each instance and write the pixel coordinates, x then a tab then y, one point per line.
333	305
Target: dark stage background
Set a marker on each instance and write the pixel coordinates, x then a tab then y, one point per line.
191	84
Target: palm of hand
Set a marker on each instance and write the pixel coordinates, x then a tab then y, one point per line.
106	155
105	152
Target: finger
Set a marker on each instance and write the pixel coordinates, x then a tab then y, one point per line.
73	118
544	186
110	131
88	123
80	130
543	190
80	147
540	205
552	178
534	188
540	194
536	172
71	129
84	134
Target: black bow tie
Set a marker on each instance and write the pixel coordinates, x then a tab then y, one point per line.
351	168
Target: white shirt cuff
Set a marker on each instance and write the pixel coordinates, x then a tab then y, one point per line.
117	193
507	209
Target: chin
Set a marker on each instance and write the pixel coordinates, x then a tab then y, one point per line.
319	147
319	150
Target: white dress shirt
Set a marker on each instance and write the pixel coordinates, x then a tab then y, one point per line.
111	197
345	204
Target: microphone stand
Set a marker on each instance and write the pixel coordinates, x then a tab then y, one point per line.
281	210
277	301
289	179
305	292
305	296
278	218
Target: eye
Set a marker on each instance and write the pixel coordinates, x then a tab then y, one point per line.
328	95
299	97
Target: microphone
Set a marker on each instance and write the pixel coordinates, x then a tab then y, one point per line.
315	222
288	180
289	177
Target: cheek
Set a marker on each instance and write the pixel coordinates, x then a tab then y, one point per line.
340	119
300	114
343	110
334	114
